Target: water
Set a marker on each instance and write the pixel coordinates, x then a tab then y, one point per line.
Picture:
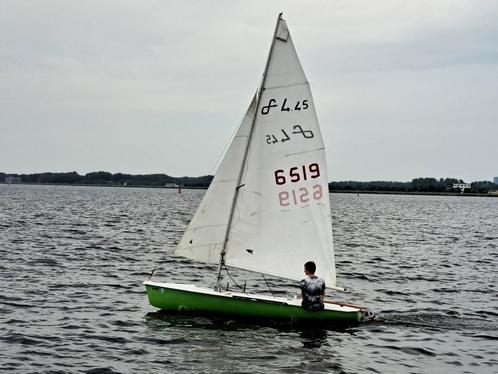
71	298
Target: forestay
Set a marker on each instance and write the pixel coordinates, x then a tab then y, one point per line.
281	216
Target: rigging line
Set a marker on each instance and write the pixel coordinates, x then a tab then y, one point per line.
158	264
152	272
267	285
233	280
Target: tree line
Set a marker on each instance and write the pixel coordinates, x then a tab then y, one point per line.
416	185
160	180
108	179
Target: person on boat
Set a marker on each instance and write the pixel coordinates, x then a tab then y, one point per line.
312	288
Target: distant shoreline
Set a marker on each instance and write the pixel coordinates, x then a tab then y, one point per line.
106	185
414	193
358	192
417	186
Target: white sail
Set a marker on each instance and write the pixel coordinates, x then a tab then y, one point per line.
282	212
203	240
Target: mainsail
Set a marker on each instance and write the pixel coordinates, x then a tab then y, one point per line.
277	216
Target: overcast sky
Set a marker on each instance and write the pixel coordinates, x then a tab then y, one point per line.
403	89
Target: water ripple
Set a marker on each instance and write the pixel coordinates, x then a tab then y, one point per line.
71	298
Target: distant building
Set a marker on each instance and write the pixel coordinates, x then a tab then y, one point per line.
12	179
495	180
461	186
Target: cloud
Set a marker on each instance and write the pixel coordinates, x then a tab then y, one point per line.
163	78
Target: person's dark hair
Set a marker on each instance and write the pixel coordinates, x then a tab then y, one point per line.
310	267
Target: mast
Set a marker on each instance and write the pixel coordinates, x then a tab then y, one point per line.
241	171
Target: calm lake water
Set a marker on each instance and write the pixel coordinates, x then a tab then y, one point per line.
73	260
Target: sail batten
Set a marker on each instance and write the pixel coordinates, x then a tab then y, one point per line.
286	85
269	199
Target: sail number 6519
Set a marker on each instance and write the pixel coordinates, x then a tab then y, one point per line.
300	196
297	173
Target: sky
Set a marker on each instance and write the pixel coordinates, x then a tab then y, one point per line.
402	89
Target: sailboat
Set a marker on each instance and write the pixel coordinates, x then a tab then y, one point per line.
267	208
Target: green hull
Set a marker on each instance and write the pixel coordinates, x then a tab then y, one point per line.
176	298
